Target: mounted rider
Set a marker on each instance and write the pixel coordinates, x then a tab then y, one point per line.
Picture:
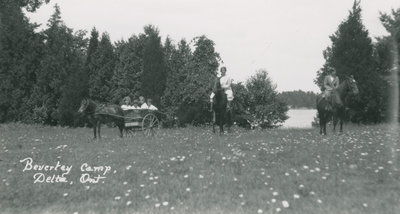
226	84
331	82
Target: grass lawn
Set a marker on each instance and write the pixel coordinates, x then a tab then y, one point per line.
192	170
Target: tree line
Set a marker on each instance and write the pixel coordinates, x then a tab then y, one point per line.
299	99
45	75
353	52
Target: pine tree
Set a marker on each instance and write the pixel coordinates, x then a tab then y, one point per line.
100	77
20	52
154	75
177	61
61	59
126	80
201	71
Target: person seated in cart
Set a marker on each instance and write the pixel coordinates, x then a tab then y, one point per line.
142	103
150	105
126	103
136	104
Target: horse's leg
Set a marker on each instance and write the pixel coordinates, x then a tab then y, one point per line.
94	131
341	124
213	121
335	120
98	128
320	124
121	128
325	122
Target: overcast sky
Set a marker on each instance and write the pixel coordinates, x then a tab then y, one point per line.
285	37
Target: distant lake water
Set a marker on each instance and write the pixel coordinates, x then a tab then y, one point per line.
300	118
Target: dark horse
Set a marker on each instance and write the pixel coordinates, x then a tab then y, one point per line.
221	114
337	108
101	113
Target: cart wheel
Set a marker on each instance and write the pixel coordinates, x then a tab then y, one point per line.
150	125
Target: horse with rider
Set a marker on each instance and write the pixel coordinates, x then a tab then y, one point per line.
333	101
221	101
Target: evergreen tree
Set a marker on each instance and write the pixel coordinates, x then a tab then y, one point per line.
201	72
154	74
20	52
126	80
100	76
62	56
352	53
177	61
90	66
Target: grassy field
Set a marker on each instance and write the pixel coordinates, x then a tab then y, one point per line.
192	170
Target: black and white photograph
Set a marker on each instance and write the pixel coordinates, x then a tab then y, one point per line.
199	106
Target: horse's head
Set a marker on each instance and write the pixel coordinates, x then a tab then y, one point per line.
84	106
352	85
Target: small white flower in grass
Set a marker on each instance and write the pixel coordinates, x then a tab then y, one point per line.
87	187
223	158
365	205
273	200
266	183
187	189
155	182
285	204
125	183
75	213
380	168
278	209
235	179
305	167
317	169
126	194
301	186
129	190
201	176
128	203
128	167
319	201
296	196
275	193
65	194
117	198
144	172
147	197
324	177
241	196
312	193
287	174
157	205
165	203
142	185
186	176
242	203
259	211
390	162
172	208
